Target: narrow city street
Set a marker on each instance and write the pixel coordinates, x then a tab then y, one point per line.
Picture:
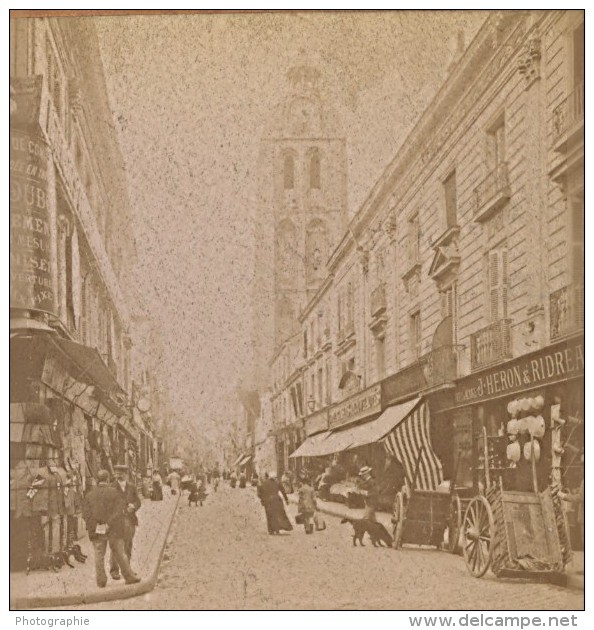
221	557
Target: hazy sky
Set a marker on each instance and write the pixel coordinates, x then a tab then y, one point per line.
191	95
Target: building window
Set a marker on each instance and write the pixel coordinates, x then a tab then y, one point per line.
328	382
497	282
54	81
380	358
414	238
350	306
578	55
289	171
496	145
451	201
449	308
314	169
576	207
415	334
321	386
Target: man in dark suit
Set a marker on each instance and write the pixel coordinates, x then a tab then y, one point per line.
130	503
105	520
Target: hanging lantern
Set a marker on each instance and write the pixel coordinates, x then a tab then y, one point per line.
513	408
538	403
528	450
536	427
512	427
513	450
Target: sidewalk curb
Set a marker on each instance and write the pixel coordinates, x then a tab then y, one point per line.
573	582
99	595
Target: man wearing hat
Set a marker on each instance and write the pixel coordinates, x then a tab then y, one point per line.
102	511
130	503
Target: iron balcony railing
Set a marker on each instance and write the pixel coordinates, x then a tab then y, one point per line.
491	344
567	311
492	193
568	113
440	366
378	300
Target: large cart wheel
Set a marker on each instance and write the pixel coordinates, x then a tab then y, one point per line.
454	524
479	533
398	520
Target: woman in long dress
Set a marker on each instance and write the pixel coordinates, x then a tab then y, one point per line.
157	494
269	493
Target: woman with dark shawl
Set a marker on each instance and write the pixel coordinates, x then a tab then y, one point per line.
269	493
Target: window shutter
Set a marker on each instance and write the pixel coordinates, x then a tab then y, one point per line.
504	283
493	271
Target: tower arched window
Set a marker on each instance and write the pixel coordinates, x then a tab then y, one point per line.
315	169
289	171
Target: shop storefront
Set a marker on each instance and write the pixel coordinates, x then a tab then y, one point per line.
383	427
62	431
534	405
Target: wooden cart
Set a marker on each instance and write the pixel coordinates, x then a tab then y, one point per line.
514	533
420	517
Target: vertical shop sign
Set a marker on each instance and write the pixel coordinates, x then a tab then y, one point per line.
30	228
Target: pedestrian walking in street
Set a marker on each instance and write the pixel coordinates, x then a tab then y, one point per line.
130	504
368	487
271	494
174	481
242	479
157	494
287	482
307	505
233	479
215	483
105	519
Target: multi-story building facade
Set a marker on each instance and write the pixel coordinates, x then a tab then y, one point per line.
460	279
72	260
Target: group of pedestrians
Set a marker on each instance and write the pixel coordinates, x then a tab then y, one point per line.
109	511
272	494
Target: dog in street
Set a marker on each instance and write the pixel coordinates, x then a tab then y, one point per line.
378	534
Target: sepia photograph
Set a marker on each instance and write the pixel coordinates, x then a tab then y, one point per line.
297	311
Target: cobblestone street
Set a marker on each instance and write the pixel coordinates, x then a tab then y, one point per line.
221	557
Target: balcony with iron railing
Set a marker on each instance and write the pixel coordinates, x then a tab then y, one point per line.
491	344
566	311
492	193
568	117
378	300
440	366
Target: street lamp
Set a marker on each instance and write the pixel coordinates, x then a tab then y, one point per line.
311	403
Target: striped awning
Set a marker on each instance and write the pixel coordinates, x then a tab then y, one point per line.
236	462
410	443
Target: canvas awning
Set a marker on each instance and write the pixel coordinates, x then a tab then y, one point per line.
245	460
368	433
310	446
236	462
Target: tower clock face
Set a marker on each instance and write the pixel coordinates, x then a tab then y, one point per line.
304	115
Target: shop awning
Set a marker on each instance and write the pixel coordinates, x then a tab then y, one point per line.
245	460
343	439
377	429
236	462
89	362
310	446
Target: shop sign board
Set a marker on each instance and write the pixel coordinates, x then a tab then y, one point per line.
407	382
361	405
317	422
31	281
552	365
